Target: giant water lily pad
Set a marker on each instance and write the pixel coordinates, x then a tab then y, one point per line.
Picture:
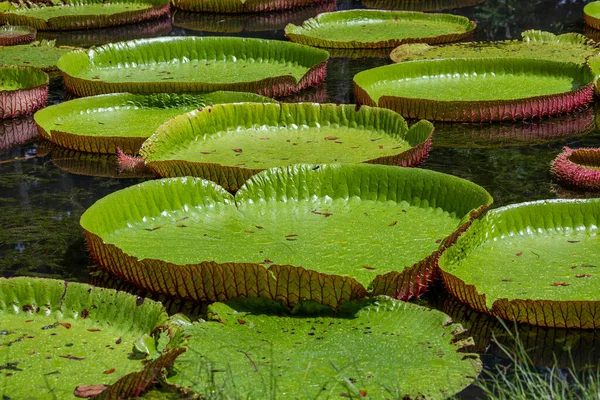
377	348
57	336
570	47
43	55
374	29
82	14
591	14
229	143
419	5
11	35
477	90
578	168
22	90
100	124
184	64
314	232
242	6
492	265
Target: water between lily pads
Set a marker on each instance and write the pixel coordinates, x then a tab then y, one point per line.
41	204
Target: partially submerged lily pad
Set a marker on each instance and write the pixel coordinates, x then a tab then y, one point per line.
11	35
477	90
43	55
377	348
229	143
419	5
314	232
103	123
492	265
578	168
58	335
591	14
242	6
23	90
569	47
83	14
194	64
375	29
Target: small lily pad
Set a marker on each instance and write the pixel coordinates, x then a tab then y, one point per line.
375	29
591	14
23	90
229	143
491	265
11	35
578	168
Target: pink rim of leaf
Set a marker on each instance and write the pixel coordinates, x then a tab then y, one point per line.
570	170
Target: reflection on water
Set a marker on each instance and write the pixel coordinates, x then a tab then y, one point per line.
43	192
419	5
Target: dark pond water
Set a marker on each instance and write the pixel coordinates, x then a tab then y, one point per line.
43	193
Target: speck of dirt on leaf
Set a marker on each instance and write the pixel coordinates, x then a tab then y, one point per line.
560	284
519	254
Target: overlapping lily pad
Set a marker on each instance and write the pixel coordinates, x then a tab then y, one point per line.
569	47
377	348
23	90
307	232
419	5
57	336
375	29
103	123
11	35
43	54
200	64
492	265
477	90
229	143
578	168
242	6
591	14
82	14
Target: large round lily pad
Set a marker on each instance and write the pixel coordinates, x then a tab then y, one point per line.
229	143
377	348
591	14
43	55
570	47
315	232
578	168
184	64
83	14
57	336
477	90
22	90
533	263
419	5
100	124
11	35
242	6
374	29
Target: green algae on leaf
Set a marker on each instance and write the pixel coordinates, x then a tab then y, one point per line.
229	143
568	47
11	35
491	265
57	335
100	124
377	348
295	233
23	90
194	64
375	29
83	14
477	90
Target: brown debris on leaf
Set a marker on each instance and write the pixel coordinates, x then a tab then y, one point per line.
85	392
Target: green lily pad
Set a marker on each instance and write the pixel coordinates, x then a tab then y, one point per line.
43	55
102	123
419	5
193	64
375	29
315	232
591	14
229	143
377	348
578	168
569	47
57	336
23	90
492	265
476	90
83	14
11	35
242	6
